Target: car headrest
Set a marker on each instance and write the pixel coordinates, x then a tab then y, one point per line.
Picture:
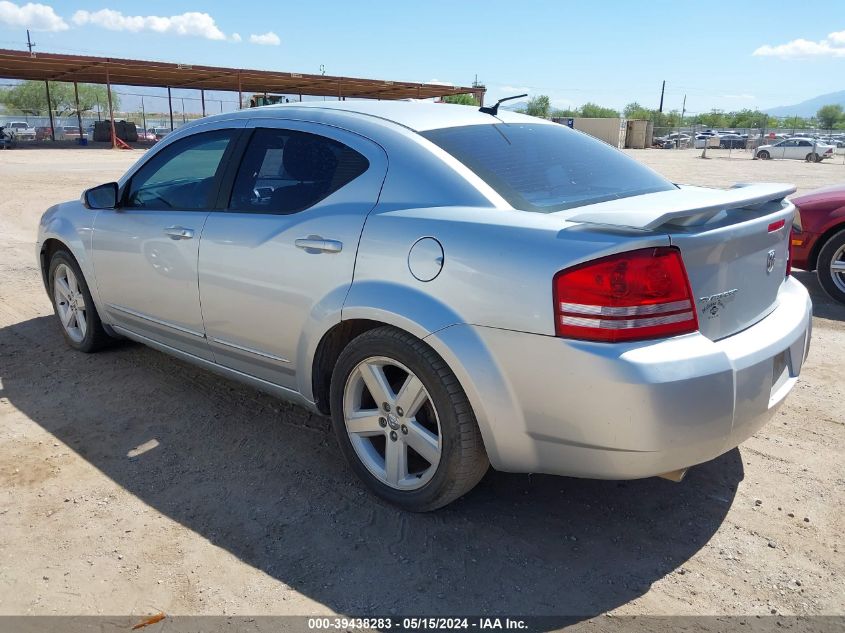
306	158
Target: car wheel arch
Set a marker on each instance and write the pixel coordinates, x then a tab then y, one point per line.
821	241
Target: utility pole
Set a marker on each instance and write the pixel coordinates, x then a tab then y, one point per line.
662	91
29	44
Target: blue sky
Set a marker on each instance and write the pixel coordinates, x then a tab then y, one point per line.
610	53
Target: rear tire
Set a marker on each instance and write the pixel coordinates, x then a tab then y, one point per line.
830	266
74	306
812	157
764	155
441	422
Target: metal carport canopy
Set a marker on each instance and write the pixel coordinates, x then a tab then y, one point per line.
130	72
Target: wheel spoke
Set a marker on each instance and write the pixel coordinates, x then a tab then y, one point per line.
838	267
364	423
395	462
62	287
376	381
66	315
71	282
423	441
411	396
80	302
80	321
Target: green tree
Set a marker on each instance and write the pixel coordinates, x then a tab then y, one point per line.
539	106
829	115
635	111
565	113
595	111
464	99
30	97
713	119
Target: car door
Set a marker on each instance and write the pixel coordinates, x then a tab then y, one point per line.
780	149
145	251
282	251
804	148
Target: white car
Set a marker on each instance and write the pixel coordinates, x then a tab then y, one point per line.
798	149
456	287
22	130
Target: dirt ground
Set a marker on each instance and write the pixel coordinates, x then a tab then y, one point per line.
131	483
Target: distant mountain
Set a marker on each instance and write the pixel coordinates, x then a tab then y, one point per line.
810	106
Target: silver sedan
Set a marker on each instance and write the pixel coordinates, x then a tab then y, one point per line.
456	288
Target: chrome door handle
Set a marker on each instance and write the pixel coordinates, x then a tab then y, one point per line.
318	244
179	233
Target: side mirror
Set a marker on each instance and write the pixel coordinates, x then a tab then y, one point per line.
101	197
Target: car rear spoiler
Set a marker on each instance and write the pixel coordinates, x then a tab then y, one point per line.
684	206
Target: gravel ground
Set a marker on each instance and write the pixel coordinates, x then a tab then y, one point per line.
131	483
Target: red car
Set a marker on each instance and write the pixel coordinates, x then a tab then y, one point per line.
818	238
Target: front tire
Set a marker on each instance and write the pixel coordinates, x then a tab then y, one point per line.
403	421
764	155
74	306
831	266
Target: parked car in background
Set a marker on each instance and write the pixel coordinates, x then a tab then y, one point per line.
673	140
43	133
818	238
797	149
274	246
147	136
159	133
732	141
22	130
7	138
705	140
71	132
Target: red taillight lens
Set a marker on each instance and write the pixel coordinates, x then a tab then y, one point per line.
631	296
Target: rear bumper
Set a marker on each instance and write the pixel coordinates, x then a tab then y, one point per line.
583	409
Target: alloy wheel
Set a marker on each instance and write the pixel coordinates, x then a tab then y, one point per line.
837	268
70	303
392	423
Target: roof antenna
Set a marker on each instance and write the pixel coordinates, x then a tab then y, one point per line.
494	109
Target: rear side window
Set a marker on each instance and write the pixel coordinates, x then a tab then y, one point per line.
180	176
287	171
546	168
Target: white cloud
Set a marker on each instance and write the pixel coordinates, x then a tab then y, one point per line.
267	39
515	89
837	38
191	23
38	17
438	82
833	46
236	37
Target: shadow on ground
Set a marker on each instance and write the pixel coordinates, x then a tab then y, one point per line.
265	481
823	305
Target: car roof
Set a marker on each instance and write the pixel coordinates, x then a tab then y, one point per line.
415	115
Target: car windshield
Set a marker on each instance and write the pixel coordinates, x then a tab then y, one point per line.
546	167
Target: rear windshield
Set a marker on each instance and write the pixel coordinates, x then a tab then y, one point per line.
546	168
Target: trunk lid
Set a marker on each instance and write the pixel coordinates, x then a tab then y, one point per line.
734	244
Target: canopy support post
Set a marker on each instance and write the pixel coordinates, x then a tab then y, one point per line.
78	113
50	111
111	109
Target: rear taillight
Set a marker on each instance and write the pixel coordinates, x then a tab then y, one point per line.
631	296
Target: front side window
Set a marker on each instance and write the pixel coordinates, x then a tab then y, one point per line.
545	167
286	171
181	176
